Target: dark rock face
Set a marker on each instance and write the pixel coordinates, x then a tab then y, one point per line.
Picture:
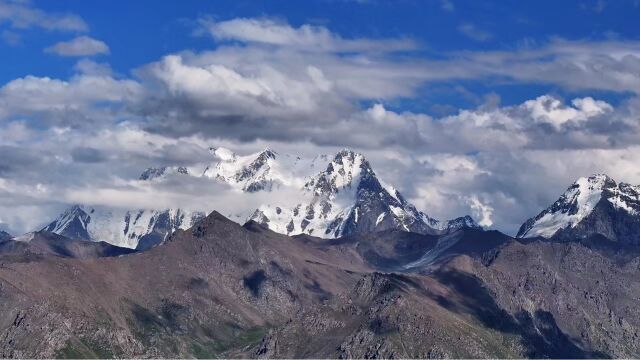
154	173
612	223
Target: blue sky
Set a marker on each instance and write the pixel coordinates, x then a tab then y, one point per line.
488	108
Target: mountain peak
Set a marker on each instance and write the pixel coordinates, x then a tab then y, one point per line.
575	204
596	181
348	156
462	222
214	220
263	157
72	223
268	153
346	171
347	198
591	205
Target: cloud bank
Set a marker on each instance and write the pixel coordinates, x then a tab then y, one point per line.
307	90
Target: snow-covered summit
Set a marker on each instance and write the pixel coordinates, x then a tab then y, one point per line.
346	168
347	198
591	205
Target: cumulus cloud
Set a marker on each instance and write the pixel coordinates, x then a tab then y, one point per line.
221	90
252	92
82	100
284	91
482	212
536	123
79	46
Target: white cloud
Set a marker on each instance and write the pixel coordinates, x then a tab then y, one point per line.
219	89
482	212
21	15
584	65
79	46
268	90
89	67
306	37
57	100
551	110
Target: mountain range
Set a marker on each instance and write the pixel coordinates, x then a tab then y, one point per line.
220	289
334	196
350	270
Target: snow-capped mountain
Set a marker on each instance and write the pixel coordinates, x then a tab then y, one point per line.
596	205
333	197
347	198
136	229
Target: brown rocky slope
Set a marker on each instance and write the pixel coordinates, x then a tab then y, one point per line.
221	289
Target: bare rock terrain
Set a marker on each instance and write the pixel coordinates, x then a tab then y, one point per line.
224	290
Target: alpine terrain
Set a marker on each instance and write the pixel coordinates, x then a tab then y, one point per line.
332	197
347	268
